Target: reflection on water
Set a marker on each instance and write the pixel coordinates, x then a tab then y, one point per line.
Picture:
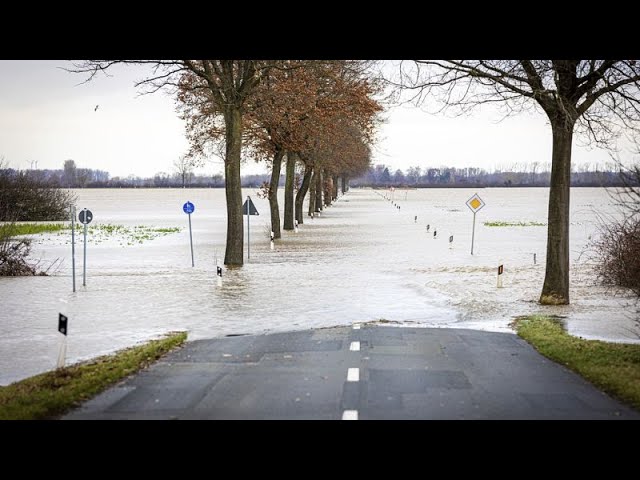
362	260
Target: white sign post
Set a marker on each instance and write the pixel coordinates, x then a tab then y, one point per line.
73	245
475	204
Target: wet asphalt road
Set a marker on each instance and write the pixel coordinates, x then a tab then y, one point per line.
371	372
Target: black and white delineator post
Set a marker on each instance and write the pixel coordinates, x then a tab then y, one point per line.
62	328
272	240
428	226
500	270
72	208
450	241
248	209
189	208
295	226
475	203
415	219
219	275
85	218
534	258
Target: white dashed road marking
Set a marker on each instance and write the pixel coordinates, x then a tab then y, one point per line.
355	346
350	415
353	375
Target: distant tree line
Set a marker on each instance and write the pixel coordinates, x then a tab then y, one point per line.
534	175
71	176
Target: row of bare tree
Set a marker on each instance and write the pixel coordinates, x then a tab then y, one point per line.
317	116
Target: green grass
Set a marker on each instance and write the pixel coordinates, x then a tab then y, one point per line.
612	367
51	394
17	229
514	224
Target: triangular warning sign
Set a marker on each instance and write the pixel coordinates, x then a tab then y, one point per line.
252	208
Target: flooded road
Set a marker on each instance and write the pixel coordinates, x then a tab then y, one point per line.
361	260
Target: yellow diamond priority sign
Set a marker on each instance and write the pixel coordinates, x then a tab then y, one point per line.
475	203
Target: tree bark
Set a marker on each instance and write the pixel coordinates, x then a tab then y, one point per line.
328	189
304	188
235	230
273	193
288	191
334	193
318	202
344	184
312	192
555	290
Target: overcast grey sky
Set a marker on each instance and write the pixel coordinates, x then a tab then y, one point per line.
45	116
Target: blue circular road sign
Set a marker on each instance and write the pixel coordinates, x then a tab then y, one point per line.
188	207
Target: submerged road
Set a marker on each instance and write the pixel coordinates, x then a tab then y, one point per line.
356	373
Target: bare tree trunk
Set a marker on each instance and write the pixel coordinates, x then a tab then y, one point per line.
334	193
235	231
555	290
288	191
304	188
327	189
312	192
273	192
318	202
345	181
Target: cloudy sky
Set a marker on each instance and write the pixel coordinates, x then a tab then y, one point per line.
47	117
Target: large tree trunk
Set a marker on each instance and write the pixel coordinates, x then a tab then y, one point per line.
304	188
334	193
288	191
318	202
273	193
312	192
555	290
344	184
235	231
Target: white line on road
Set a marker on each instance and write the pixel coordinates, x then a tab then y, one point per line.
350	415
356	326
355	346
353	375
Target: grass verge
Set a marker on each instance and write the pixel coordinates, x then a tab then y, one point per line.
51	394
612	367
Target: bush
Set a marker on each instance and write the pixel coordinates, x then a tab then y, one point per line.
23	197
13	255
617	251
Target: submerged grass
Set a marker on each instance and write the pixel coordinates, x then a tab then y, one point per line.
514	224
51	394
18	229
612	367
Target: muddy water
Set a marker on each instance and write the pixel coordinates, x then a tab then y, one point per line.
361	260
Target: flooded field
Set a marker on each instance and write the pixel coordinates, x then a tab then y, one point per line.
362	260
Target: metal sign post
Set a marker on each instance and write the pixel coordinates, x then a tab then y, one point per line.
189	208
85	218
248	209
475	204
72	208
